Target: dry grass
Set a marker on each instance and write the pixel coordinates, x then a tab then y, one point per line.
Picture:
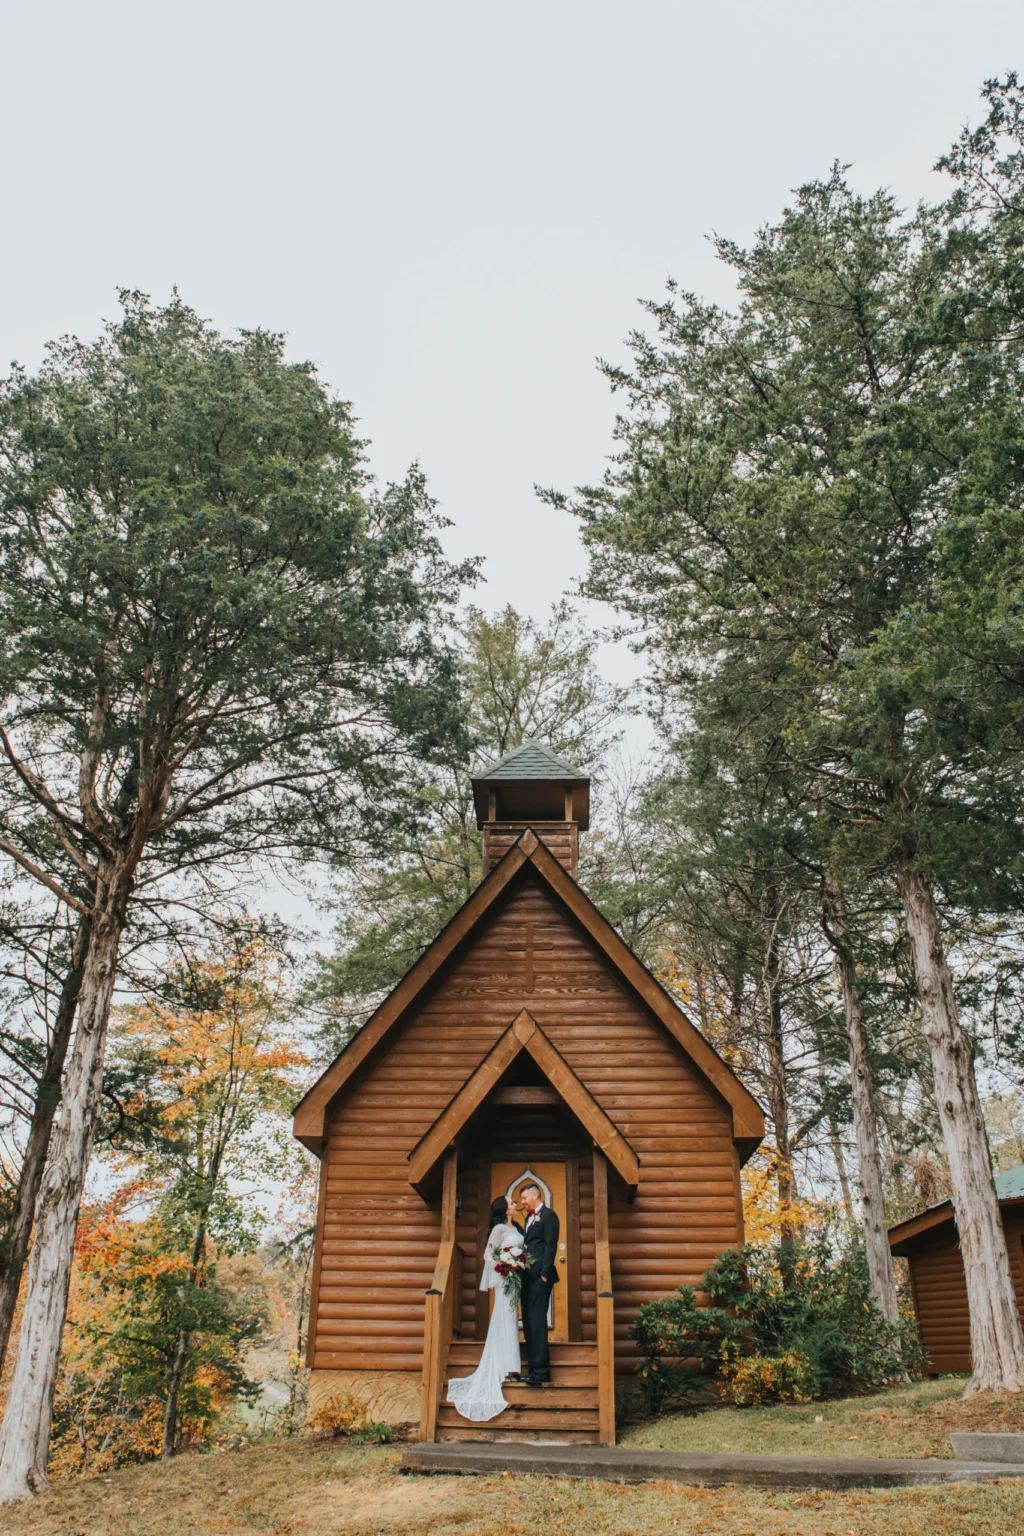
303	1488
908	1421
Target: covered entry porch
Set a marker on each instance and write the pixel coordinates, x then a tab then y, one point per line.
523	1117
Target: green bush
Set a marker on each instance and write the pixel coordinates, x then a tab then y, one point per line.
376	1432
819	1314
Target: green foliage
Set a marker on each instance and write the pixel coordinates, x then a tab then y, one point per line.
816	1316
813	517
213	1066
756	1380
217	640
375	1432
133	1299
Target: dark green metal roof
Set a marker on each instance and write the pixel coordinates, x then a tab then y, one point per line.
532	760
1010	1185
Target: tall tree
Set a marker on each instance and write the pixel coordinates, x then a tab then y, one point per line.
216	646
791	477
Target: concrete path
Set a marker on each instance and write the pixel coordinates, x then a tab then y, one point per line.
622	1464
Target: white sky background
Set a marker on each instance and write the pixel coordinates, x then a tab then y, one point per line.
453	208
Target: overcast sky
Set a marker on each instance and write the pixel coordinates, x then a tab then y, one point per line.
453	208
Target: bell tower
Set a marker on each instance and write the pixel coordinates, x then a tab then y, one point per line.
531	787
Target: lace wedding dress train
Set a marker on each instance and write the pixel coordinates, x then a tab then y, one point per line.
478	1397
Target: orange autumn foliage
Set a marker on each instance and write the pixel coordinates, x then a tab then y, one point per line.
159	1314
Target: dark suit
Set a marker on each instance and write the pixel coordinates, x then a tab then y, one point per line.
540	1240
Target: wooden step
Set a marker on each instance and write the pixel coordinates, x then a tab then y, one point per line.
561	1375
567	1352
516	1417
555	1396
467	1352
483	1433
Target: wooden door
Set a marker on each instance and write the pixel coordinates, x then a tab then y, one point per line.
509	1179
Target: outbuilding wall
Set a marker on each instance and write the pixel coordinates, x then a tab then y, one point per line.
940	1290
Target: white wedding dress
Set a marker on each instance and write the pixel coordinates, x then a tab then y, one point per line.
479	1396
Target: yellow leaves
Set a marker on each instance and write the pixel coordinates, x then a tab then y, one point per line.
340	1415
766	1216
674	976
755	1380
214	1054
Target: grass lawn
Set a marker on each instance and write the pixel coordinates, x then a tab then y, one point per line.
309	1488
907	1421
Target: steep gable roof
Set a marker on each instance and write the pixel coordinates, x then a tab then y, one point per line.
312	1113
523	1034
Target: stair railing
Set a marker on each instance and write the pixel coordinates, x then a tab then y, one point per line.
442	1314
605	1305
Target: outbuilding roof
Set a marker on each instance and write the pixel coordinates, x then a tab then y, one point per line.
1009	1186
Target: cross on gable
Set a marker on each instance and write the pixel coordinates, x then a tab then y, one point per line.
527	950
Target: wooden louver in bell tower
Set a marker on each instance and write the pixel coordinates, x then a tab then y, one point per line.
532	787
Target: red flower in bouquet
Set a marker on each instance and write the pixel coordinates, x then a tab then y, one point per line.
511	1261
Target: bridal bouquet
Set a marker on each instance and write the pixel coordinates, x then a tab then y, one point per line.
511	1262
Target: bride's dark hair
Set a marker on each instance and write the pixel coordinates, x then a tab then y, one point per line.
499	1211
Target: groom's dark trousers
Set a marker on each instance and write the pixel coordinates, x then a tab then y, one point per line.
541	1243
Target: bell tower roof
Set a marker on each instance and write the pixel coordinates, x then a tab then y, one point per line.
532	784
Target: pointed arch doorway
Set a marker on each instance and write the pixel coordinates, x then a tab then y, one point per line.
509	1179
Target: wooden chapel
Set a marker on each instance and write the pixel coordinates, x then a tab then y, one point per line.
527	1044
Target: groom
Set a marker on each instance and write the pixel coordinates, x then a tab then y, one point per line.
540	1238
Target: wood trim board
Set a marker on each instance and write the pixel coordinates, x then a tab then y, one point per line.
524	1033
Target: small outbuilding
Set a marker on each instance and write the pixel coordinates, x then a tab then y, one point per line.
528	1044
931	1244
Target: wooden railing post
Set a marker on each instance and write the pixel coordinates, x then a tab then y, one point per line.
605	1305
441	1301
458	1260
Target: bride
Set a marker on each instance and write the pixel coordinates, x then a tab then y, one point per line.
479	1396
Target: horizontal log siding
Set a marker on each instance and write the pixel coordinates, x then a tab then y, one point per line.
940	1291
560	838
379	1240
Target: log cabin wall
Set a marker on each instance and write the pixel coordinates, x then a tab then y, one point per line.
561	838
940	1290
377	1239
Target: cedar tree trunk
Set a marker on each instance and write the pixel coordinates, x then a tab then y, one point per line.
30	1178
997	1337
779	1096
25	1437
170	1437
865	1123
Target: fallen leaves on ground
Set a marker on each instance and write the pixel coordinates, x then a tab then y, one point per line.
309	1488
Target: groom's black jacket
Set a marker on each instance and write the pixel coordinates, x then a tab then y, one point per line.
541	1243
